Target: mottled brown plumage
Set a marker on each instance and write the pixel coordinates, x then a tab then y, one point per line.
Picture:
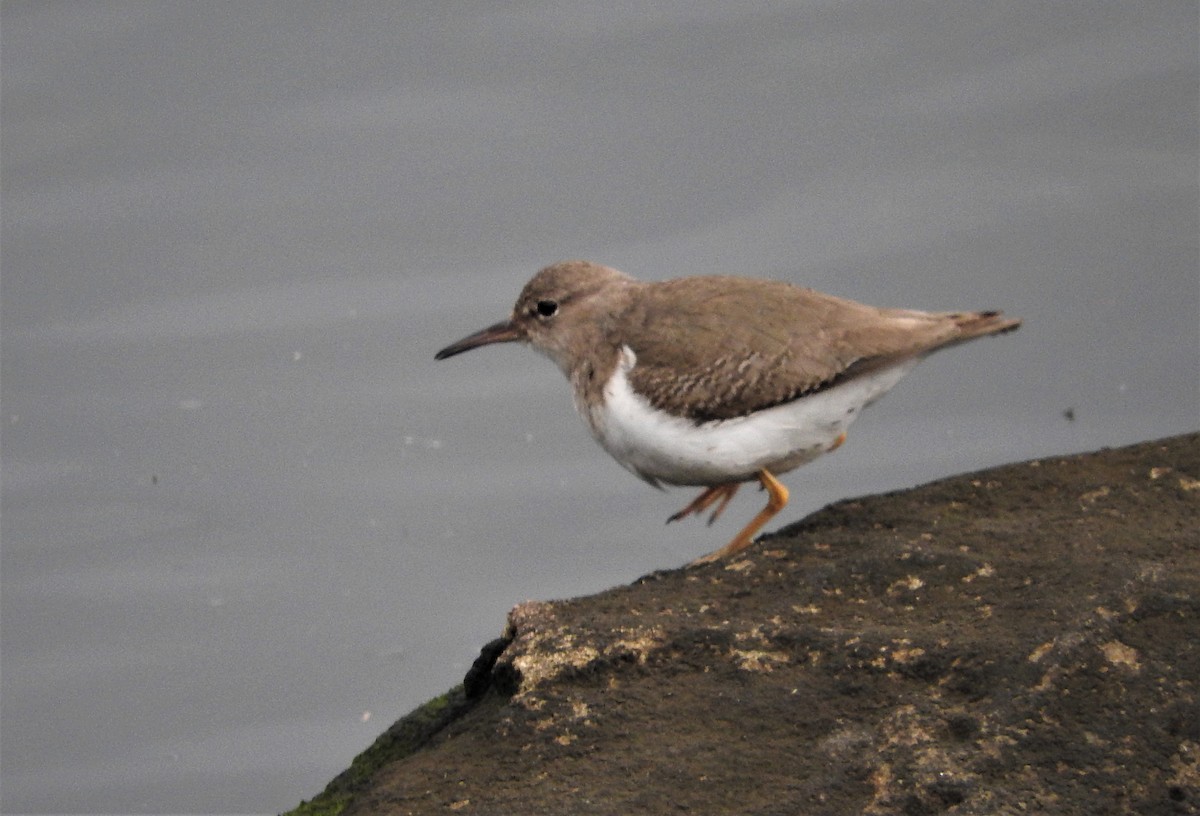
754	344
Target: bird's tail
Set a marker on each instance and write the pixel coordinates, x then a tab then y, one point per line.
977	324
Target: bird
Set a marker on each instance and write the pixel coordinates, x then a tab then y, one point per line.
715	381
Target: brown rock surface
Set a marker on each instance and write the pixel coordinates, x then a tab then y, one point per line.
1020	640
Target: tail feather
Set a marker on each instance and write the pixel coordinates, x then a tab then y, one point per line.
978	324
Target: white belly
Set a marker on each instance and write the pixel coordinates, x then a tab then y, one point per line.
664	448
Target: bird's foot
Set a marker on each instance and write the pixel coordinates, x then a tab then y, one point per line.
777	497
722	493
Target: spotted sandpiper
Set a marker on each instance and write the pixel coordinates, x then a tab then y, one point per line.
716	381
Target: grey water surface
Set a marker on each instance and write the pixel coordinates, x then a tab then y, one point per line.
248	521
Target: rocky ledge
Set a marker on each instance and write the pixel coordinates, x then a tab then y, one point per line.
1020	640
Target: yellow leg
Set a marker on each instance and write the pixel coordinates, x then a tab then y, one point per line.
777	497
701	503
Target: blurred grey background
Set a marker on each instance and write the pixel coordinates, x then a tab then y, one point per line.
248	522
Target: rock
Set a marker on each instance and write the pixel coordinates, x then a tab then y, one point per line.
1021	640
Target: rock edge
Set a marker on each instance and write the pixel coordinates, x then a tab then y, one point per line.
1022	639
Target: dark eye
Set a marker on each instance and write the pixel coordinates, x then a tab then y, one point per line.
547	308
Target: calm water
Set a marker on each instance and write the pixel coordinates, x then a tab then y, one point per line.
248	522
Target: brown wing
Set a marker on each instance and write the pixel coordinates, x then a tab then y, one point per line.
752	344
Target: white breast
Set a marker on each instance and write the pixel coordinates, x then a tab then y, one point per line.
660	447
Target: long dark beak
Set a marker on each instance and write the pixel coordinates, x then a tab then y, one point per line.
503	332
